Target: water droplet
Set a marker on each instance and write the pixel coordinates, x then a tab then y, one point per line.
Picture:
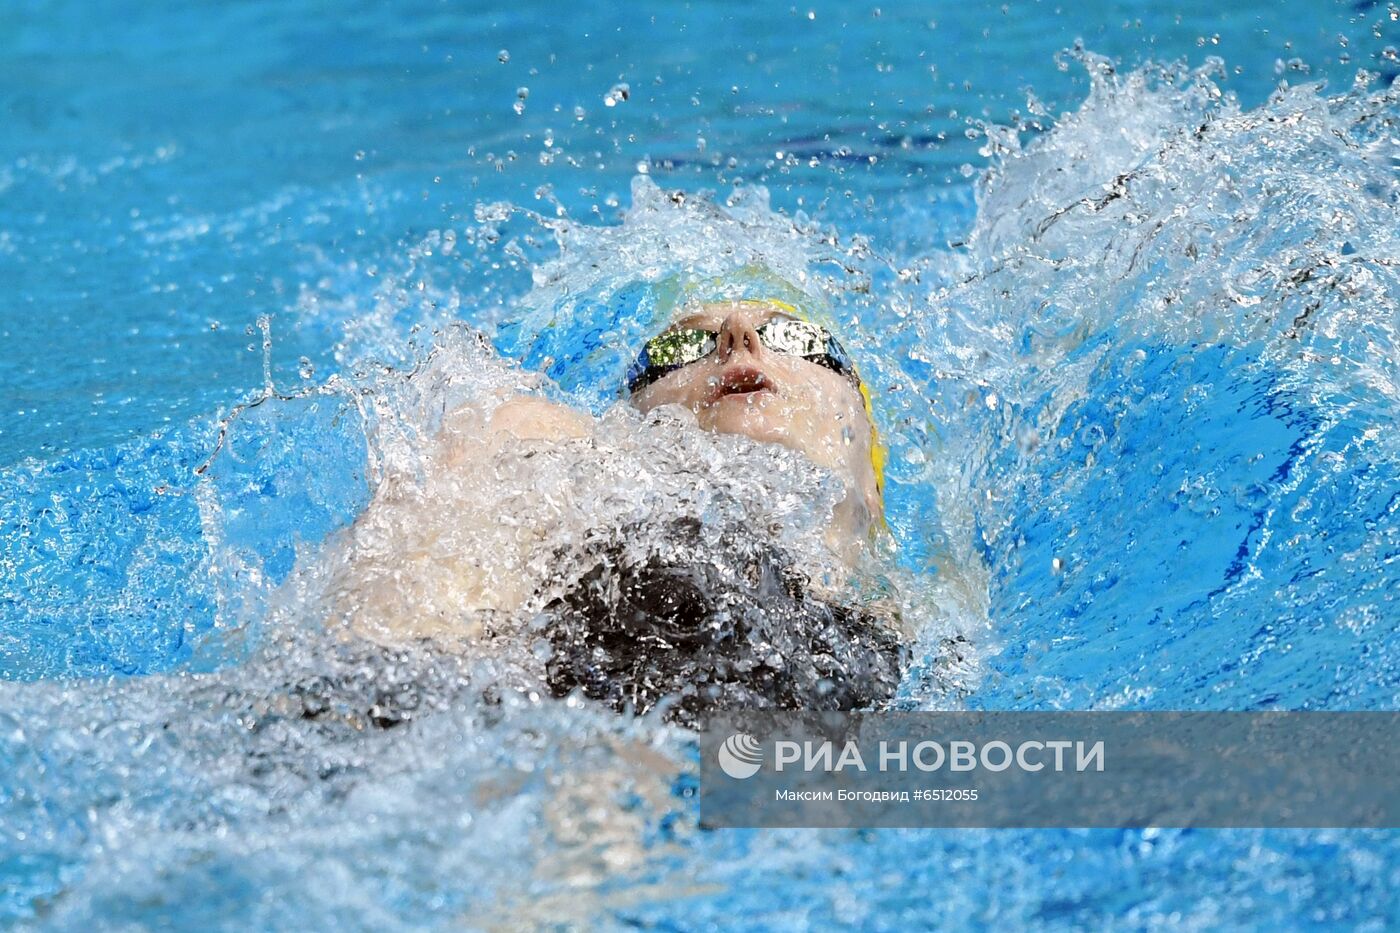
579	113
617	94
503	56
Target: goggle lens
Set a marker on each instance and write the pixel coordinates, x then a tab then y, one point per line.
679	348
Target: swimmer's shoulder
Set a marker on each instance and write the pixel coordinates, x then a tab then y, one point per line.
532	418
476	432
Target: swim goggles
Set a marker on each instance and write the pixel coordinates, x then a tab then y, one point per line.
667	352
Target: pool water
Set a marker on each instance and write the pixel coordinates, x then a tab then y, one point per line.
1124	282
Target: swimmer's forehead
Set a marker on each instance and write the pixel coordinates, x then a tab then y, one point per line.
711	315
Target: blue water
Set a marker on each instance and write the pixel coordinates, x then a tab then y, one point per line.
1136	362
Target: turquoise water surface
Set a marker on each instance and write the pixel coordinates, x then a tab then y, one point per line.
1125	282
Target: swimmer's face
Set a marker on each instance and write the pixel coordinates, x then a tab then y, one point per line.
744	387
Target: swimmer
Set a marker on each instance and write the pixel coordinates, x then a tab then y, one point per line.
752	366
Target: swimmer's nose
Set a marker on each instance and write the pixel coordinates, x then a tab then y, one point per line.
738	333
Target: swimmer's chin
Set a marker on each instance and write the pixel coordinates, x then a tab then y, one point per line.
743	415
735	414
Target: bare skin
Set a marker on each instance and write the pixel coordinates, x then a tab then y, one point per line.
410	573
740	388
777	398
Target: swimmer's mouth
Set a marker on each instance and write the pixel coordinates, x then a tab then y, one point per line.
741	381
